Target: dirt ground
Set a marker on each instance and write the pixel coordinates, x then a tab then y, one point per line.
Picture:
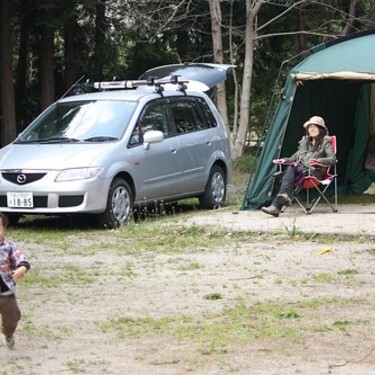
279	305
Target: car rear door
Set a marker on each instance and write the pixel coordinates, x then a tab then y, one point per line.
195	142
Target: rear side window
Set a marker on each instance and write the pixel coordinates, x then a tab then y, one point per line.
187	116
209	118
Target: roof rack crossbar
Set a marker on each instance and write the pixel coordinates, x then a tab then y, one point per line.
130	84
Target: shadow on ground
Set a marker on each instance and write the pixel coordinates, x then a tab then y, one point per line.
84	222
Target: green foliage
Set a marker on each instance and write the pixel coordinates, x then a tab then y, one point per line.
325	278
348	272
244	164
293	230
238	324
342	325
138	36
213	296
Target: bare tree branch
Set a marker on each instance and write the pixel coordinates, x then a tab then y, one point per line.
296	33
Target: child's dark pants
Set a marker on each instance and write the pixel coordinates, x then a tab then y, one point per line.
10	314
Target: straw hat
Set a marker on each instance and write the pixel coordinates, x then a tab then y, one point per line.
316	120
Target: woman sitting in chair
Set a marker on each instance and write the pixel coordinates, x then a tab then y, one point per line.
315	151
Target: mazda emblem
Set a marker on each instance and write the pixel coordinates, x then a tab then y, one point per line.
21	178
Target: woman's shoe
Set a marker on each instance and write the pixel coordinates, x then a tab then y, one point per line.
271	210
283	199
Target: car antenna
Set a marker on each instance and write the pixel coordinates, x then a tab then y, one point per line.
72	87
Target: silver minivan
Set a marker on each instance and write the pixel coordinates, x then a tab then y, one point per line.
129	144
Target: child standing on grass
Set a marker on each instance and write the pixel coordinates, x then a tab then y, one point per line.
13	266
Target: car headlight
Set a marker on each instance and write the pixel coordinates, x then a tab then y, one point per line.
78	174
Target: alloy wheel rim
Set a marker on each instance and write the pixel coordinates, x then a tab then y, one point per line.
218	188
121	204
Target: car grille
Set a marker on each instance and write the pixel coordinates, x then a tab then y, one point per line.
20	178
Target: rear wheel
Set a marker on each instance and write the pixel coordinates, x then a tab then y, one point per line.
119	205
216	189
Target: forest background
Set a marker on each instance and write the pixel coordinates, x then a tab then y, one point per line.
48	45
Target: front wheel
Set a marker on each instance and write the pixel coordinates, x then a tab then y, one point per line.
216	189
119	205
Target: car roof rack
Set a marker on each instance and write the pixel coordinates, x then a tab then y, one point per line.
132	84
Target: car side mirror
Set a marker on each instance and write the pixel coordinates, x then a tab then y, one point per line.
152	136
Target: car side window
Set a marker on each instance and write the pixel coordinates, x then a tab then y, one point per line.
186	116
209	118
153	118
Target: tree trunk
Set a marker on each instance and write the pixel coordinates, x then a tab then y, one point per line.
240	139
234	75
100	27
8	116
47	79
22	76
349	27
70	53
221	100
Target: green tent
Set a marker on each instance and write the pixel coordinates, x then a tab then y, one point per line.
336	81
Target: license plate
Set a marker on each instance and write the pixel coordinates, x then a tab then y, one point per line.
20	200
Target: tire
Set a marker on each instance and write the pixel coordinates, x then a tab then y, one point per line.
119	205
216	189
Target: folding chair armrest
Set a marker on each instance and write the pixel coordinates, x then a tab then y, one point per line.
280	165
279	170
315	164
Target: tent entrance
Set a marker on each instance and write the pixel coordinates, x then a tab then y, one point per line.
348	109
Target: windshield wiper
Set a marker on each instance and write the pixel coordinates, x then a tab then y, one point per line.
59	140
27	141
101	138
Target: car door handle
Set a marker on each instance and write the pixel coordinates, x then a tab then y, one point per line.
173	150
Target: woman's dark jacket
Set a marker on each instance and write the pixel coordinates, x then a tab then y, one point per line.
325	155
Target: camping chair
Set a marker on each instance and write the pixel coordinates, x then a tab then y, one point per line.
320	187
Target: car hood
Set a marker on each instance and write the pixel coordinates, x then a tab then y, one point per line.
52	157
209	74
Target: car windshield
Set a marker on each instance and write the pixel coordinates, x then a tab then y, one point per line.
80	121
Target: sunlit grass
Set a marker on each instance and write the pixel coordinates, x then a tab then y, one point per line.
239	324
